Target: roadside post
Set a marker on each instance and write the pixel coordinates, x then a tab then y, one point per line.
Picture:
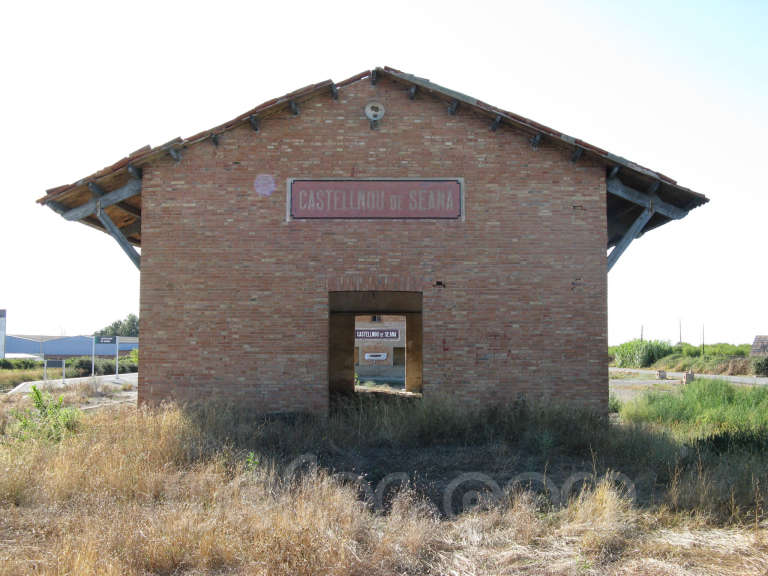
93	356
117	357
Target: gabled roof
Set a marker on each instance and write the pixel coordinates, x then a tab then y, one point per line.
622	212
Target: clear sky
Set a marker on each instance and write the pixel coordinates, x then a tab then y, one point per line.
680	87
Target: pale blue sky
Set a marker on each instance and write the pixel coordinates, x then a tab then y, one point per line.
677	86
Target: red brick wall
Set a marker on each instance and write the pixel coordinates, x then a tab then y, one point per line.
234	299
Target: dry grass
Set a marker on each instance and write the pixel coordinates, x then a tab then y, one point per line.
10	378
139	491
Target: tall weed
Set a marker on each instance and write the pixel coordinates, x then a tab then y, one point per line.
640	353
704	406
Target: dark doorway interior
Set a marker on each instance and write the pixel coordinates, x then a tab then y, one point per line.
344	307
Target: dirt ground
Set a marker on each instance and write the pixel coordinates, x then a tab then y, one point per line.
85	394
627	385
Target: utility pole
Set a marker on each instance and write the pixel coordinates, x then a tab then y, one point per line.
680	327
702	340
641	332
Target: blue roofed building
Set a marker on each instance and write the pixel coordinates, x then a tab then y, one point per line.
65	346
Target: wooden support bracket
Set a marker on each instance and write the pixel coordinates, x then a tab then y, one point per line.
631	234
122	241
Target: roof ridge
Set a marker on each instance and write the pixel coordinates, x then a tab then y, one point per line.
147	153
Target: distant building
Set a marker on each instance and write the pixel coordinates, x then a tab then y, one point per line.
759	346
56	347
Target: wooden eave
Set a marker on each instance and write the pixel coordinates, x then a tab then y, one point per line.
621	212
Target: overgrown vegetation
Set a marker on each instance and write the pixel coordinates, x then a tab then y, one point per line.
704	407
81	366
48	418
718	358
760	366
19	363
28	370
10	378
639	353
213	490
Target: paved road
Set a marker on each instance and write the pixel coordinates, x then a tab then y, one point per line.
751	380
132	379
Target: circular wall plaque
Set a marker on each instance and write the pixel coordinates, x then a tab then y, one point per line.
374	111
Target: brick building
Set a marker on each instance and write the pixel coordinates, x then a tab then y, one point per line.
759	346
380	349
263	238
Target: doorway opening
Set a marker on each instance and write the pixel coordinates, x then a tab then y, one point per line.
374	342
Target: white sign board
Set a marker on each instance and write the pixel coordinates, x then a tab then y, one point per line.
375	355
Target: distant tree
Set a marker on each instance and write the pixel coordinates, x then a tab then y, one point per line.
127	327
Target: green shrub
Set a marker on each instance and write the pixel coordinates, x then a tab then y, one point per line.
640	353
760	366
81	366
19	364
47	419
731	365
721	349
688	350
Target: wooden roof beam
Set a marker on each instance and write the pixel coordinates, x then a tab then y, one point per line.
131	229
647	200
98	192
132	188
